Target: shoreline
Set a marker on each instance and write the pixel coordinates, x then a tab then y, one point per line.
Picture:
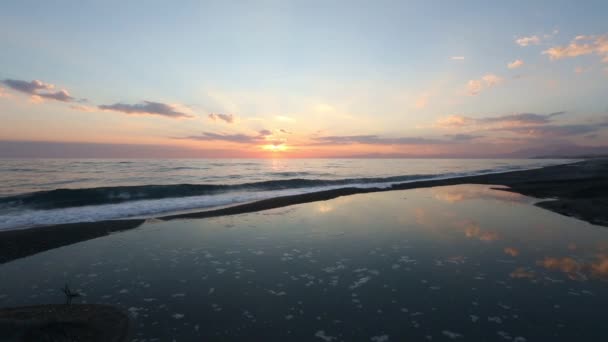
578	190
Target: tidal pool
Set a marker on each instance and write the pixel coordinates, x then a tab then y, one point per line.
448	263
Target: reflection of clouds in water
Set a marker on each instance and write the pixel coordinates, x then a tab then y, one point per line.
600	267
512	251
442	223
567	265
578	270
522	272
454	194
473	231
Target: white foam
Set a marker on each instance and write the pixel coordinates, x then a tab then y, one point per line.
151	208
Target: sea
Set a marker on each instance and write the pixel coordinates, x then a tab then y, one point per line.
37	192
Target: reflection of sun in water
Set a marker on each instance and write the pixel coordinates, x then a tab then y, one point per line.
275	148
324	208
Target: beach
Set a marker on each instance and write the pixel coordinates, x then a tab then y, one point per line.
441	263
578	189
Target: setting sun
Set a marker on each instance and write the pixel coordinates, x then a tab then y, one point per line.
275	148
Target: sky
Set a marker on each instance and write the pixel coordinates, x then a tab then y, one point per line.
301	79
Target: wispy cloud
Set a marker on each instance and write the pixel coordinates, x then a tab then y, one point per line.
515	64
463	137
228	118
554	131
40	90
373	140
527	125
487	81
580	46
83	108
148	108
517	119
235	138
526	41
457	58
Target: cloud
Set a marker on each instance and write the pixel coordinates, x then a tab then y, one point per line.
374	140
554	131
526	41
228	118
462	137
457	58
147	108
487	81
235	138
580	46
491	80
454	121
515	64
474	87
40	90
84	108
285	131
519	119
526	124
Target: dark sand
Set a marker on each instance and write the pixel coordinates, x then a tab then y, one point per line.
16	244
579	190
81	322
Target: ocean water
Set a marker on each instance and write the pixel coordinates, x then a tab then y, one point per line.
37	192
436	264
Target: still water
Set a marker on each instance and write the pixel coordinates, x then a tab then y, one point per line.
449	263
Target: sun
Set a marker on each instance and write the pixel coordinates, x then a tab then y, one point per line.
275	148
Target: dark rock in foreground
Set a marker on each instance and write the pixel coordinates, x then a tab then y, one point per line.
82	322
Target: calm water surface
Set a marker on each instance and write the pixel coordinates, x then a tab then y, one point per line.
459	262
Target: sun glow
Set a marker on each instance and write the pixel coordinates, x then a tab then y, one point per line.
275	148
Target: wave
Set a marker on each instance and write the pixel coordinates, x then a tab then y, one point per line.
66	198
117	202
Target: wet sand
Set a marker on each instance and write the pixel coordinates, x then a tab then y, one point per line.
21	243
579	190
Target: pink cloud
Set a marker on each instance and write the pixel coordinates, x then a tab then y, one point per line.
526	41
515	64
487	81
228	118
581	46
